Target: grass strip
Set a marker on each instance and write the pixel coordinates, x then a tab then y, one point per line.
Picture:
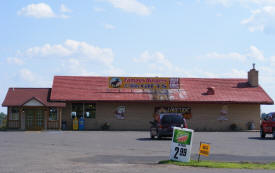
231	165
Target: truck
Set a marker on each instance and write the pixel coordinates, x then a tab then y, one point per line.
267	125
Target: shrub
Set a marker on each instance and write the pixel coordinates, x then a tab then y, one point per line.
233	127
106	126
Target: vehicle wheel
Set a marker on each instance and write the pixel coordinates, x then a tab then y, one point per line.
159	136
151	135
273	135
262	133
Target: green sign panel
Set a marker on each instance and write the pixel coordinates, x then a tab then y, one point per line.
182	137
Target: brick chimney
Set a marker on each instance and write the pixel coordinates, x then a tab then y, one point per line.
253	77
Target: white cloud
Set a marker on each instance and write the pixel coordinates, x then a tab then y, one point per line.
131	6
33	79
156	63
75	58
245	3
253	53
72	48
262	16
229	56
64	9
256	53
225	3
235	73
272	60
109	26
156	60
40	10
260	19
14	60
27	75
75	67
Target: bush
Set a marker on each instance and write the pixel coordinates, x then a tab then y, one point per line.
106	126
233	127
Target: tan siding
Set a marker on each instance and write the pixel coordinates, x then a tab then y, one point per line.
138	115
66	115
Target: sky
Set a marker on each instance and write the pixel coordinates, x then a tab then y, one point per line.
177	38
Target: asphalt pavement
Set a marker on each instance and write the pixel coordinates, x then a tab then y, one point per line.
122	151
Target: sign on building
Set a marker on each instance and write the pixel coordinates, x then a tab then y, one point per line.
120	112
184	111
144	83
181	144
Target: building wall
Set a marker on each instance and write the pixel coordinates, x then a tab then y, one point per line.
66	116
137	116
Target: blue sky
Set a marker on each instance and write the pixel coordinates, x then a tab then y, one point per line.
175	38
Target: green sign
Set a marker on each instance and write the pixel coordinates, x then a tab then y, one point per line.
182	137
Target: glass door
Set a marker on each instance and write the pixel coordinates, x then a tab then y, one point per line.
39	120
34	119
29	119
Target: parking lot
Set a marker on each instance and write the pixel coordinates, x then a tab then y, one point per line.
105	151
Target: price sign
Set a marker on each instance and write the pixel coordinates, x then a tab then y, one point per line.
181	144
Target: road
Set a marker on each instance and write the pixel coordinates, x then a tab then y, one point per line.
121	151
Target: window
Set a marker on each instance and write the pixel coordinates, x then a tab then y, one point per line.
14	113
90	110
53	114
77	110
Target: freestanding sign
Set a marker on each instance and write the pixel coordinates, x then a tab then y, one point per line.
181	144
204	149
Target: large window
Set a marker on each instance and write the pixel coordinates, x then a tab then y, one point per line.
90	110
86	110
14	113
53	114
77	110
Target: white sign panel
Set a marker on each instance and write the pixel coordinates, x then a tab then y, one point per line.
181	144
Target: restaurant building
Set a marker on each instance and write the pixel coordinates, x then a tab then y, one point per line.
129	103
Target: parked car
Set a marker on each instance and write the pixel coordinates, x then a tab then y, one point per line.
164	127
268	125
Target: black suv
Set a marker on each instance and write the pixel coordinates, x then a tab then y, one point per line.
164	127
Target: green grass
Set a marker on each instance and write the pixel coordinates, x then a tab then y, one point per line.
231	165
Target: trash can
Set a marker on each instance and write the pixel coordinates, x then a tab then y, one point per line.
63	125
81	123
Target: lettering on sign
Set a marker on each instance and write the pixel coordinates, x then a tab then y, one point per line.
180	149
204	149
144	83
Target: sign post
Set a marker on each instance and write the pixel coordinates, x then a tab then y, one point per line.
181	144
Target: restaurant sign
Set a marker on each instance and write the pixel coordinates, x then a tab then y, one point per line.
144	83
184	111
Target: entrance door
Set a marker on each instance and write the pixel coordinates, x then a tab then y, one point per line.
34	119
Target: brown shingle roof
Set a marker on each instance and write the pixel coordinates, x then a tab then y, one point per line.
76	88
20	96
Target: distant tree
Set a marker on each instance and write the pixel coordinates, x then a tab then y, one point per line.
2	115
263	115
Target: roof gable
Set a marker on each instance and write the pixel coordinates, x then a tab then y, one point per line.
22	96
33	102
